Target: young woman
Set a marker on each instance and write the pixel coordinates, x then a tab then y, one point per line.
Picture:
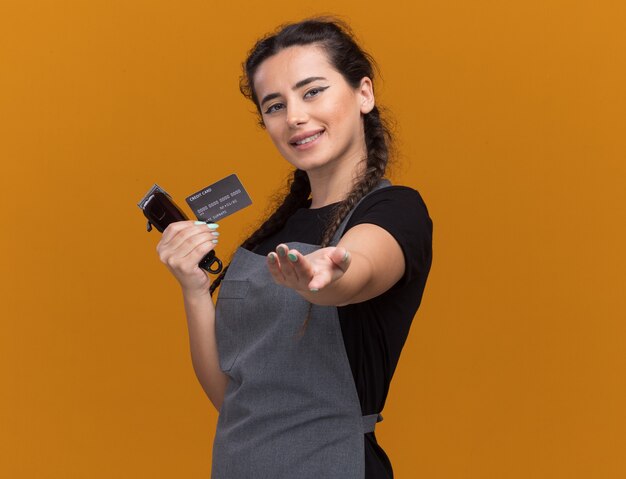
298	353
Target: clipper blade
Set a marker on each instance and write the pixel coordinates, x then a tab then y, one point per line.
150	194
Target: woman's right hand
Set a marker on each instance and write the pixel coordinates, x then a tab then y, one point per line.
182	247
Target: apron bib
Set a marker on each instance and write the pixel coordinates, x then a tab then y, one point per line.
291	408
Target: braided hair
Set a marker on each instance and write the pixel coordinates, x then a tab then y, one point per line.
353	63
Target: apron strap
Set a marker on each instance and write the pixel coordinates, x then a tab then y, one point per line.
383	183
369	422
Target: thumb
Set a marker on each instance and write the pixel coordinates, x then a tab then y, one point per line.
341	257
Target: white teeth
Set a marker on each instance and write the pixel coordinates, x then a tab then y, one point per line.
309	139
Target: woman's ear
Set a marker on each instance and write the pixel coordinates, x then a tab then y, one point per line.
366	95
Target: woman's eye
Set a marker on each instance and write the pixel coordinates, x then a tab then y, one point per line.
314	92
273	108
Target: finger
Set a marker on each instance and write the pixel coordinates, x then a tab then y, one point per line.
185	241
341	257
200	251
292	268
274	266
203	241
189	230
320	280
173	229
302	267
188	257
186	248
286	264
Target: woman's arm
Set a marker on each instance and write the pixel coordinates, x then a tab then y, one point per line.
373	264
200	313
181	248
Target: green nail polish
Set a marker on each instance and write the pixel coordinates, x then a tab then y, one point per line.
282	251
346	257
271	258
199	223
215	233
313	290
292	257
214	241
213	226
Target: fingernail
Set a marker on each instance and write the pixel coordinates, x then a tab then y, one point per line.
214	241
199	223
282	251
313	290
213	226
271	258
346	257
215	233
292	257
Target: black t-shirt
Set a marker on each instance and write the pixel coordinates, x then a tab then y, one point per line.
375	331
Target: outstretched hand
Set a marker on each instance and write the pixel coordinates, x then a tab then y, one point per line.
310	272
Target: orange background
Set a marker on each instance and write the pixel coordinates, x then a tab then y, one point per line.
510	123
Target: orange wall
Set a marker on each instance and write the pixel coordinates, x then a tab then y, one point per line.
511	124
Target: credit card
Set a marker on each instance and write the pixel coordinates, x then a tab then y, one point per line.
219	200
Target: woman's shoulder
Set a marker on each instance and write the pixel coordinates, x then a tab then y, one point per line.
398	209
401	211
394	200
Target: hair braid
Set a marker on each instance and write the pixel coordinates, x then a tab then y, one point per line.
377	140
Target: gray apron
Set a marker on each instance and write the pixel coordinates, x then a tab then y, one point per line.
291	408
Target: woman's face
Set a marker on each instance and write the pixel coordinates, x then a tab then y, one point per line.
309	110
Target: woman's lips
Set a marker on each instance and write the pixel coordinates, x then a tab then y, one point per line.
307	142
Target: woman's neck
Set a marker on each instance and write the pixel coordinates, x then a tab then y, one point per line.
332	183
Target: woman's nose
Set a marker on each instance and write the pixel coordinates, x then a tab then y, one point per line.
296	115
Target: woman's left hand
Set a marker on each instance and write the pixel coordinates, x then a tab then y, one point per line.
310	272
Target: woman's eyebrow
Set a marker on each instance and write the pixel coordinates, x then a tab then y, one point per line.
300	84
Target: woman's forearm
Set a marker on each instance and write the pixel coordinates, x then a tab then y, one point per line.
200	313
367	262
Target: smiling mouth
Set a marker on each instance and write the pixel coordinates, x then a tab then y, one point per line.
308	139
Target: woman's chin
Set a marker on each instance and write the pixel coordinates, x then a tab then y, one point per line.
308	164
311	166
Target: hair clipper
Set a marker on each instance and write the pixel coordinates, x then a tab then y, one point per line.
161	210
